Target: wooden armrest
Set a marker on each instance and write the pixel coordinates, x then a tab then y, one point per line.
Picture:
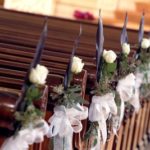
8	103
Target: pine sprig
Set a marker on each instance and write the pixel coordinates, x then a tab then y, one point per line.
31	113
69	97
29	116
126	66
33	94
108	71
92	134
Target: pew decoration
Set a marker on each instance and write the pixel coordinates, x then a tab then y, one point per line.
69	109
102	105
122	82
143	62
118	85
132	72
31	127
125	85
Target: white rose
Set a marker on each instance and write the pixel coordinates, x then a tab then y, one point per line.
77	65
145	43
126	48
104	52
109	56
38	75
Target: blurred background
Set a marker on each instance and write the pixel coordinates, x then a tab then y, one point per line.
113	11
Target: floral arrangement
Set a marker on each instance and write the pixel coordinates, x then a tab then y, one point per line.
68	102
37	78
132	73
142	62
112	95
31	127
119	81
103	103
69	95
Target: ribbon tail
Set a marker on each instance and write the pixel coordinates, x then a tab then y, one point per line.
63	143
103	129
135	101
116	124
122	108
14	144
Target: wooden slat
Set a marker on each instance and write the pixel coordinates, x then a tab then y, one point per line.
118	139
125	134
136	129
131	131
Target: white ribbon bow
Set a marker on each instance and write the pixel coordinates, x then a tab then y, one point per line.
99	111
125	88
135	99
65	120
26	137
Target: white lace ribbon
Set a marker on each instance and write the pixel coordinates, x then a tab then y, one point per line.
63	123
26	137
125	88
135	99
99	111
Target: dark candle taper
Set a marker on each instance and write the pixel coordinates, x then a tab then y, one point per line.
99	48
36	60
140	36
124	35
68	71
141	29
123	39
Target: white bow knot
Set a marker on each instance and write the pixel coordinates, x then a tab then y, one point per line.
99	111
65	121
126	87
26	137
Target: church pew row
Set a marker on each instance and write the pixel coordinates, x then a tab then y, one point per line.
20	85
127	125
62	32
24	62
53	81
106	146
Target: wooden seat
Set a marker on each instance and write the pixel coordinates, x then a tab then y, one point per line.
19	33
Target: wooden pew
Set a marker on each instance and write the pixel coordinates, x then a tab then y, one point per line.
142	121
21	74
145	131
61	30
19	44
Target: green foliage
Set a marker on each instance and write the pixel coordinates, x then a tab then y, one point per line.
144	61
92	134
126	66
31	113
33	94
143	67
104	85
109	69
145	90
69	98
117	99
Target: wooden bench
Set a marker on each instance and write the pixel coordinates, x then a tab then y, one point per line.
19	33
